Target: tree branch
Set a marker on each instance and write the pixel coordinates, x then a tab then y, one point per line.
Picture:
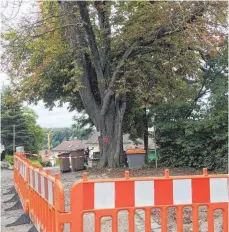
198	96
92	44
76	38
103	9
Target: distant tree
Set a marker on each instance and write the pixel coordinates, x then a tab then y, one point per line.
27	132
37	133
79	130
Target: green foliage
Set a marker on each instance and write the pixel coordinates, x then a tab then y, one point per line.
27	132
200	138
38	161
58	135
37	131
44	163
10	159
47	69
165	41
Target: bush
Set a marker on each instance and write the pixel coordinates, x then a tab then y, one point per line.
38	164
35	160
44	163
10	159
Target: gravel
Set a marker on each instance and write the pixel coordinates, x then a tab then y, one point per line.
71	177
8	217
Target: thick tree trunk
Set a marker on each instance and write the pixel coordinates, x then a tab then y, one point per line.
107	111
110	140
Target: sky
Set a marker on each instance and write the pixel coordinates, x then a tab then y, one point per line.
58	117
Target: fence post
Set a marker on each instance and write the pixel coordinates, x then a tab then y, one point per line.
59	203
76	201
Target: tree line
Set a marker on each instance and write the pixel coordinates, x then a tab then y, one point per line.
58	135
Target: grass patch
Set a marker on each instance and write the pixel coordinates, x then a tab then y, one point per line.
35	160
37	163
10	159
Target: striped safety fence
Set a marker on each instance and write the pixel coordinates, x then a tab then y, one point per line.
44	196
20	180
42	206
107	197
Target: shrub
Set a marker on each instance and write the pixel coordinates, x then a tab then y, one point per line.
10	159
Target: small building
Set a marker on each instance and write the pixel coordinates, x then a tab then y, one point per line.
68	146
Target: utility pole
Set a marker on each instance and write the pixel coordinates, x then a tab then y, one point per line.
13	139
49	142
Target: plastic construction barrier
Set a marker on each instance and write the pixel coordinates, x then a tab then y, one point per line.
43	198
41	194
108	197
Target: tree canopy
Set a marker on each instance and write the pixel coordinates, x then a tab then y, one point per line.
109	58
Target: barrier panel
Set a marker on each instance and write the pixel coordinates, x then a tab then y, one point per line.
42	196
20	180
105	198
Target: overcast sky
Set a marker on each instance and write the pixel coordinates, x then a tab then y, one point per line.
58	117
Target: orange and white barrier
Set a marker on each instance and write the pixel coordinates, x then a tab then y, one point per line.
42	196
107	197
42	185
143	193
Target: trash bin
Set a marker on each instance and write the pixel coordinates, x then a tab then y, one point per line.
64	162
77	158
135	157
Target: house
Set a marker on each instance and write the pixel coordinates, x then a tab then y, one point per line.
68	146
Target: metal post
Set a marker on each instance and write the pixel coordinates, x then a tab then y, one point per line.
13	139
155	145
49	141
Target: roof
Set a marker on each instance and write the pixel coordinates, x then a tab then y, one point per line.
72	145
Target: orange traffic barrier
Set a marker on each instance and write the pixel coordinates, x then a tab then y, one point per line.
21	184
41	193
109	196
44	197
